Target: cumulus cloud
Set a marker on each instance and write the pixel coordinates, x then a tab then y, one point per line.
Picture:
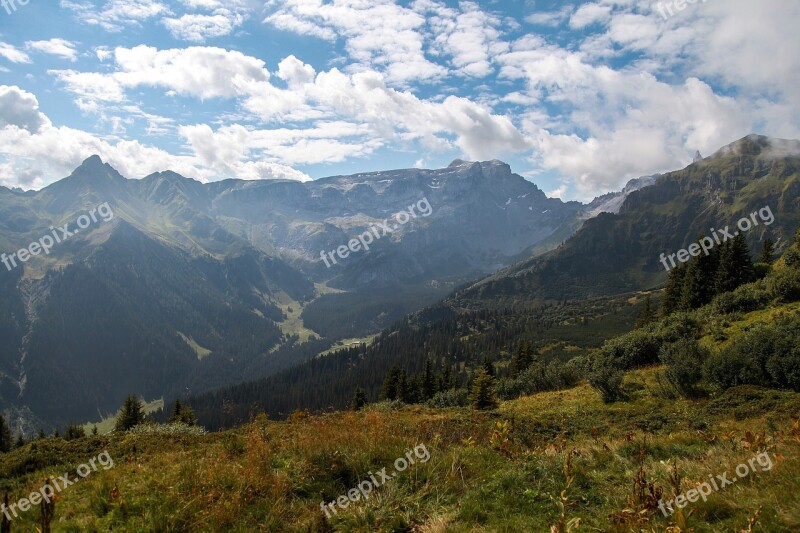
13	54
20	109
595	92
115	15
379	35
56	47
38	153
200	27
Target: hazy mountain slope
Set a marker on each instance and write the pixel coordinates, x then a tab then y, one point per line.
187	286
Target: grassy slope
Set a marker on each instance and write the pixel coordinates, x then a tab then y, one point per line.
272	476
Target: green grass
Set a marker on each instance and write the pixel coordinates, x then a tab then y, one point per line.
272	476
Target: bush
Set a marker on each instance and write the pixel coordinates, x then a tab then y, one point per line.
607	378
767	356
784	285
450	398
677	326
173	428
684	360
744	299
792	257
637	348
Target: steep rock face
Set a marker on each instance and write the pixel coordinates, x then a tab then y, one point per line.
480	212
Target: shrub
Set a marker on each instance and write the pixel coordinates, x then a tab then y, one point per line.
684	360
784	284
767	356
450	398
607	378
744	299
677	326
792	257
173	428
637	348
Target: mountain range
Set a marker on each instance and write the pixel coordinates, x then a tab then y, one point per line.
190	287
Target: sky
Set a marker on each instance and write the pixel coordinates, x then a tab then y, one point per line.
577	97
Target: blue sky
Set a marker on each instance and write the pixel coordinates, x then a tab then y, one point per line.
578	97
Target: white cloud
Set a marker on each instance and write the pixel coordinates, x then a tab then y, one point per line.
589	14
13	54
56	47
550	18
378	35
115	15
20	109
470	36
38	153
198	28
205	72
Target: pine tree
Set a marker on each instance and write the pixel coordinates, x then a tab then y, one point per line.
391	384
94	430
5	436
725	278
446	379
767	254
647	315
700	280
182	413
402	386
672	291
522	359
488	366
359	399
483	394
20	441
428	388
130	415
74	431
742	263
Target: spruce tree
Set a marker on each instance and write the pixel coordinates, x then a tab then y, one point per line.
391	384
700	280
483	394
428	388
359	399
182	413
130	415
647	314
488	366
742	263
767	254
726	275
6	441
446	379
522	359
402	386
673	290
